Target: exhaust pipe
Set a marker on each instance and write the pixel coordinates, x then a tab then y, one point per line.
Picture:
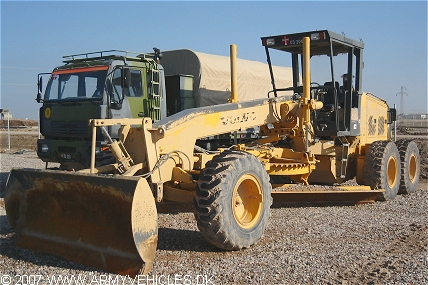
306	81
233	74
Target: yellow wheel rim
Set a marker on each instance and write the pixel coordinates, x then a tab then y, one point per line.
391	172
247	201
412	168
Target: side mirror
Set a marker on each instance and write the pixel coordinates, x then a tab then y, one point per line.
115	101
39	88
39	98
126	78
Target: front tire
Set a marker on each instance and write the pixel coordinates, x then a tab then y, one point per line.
232	201
382	168
410	166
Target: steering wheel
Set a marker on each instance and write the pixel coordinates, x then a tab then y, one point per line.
317	90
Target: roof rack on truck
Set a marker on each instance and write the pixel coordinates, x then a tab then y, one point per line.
107	54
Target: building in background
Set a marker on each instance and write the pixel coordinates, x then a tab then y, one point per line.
5	114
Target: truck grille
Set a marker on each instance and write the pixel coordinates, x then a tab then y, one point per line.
70	129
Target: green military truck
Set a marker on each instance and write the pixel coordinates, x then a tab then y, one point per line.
106	84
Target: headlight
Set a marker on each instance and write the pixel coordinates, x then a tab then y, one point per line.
44	147
270	42
97	150
318	36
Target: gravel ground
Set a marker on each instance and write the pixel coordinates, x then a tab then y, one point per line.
382	243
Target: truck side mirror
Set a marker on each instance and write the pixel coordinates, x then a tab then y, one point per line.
115	88
115	99
39	98
39	88
126	78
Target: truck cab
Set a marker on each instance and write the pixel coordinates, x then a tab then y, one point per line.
106	84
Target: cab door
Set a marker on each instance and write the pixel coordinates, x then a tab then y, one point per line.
125	95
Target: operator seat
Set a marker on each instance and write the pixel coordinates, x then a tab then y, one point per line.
329	97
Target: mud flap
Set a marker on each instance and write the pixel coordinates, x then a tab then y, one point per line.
106	222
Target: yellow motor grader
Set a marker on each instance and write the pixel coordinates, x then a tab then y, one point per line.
106	217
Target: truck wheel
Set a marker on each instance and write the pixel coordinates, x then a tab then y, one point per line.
410	166
232	201
382	168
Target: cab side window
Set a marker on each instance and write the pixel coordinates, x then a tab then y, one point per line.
136	84
126	82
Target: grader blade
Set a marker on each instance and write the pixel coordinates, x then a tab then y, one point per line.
107	222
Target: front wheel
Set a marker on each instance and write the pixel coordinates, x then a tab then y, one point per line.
232	201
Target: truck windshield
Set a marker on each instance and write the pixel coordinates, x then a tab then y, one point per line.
77	84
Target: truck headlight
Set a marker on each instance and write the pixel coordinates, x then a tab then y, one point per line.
44	147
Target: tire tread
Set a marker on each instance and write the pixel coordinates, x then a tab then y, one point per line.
374	168
210	196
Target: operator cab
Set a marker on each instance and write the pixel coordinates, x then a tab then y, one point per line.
336	73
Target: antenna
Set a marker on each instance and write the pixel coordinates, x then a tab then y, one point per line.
402	93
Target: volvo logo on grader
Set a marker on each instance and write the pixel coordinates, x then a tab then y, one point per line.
105	216
239	118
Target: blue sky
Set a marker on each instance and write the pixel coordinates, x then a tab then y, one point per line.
35	36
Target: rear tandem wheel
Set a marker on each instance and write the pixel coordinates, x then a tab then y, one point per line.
232	201
410	166
382	168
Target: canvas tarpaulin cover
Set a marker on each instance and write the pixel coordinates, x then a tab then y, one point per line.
211	73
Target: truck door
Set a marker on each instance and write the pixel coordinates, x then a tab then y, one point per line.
125	95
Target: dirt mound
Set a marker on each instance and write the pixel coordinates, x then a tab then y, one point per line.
18	123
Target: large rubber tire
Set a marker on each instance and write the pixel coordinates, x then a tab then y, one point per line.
382	168
410	166
232	201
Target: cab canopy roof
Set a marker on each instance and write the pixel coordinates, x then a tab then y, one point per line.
320	42
211	75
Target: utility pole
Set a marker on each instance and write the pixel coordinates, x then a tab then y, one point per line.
402	93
